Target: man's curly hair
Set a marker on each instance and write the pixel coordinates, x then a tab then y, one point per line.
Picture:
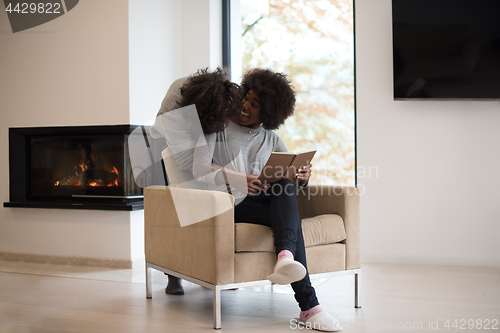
216	98
276	96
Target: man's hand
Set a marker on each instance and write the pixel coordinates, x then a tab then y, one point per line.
237	180
303	174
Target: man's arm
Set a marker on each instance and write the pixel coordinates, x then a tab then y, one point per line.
231	177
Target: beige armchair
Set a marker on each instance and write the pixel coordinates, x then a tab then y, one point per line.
217	252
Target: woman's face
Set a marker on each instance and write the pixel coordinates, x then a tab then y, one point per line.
250	112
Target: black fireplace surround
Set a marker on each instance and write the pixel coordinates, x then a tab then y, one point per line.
75	167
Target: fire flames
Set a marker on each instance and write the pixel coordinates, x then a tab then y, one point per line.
84	175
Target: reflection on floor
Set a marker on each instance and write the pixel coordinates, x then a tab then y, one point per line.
60	298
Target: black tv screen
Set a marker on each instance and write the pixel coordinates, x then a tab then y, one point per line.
446	49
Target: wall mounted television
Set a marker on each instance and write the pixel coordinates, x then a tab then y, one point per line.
446	49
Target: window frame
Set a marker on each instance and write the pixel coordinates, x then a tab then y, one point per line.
226	62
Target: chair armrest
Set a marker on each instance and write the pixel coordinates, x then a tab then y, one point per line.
317	200
203	250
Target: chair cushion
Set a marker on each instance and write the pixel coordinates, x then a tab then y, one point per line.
318	230
323	229
254	266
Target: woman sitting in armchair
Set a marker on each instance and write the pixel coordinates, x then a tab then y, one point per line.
269	100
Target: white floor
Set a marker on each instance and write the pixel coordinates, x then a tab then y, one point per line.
407	298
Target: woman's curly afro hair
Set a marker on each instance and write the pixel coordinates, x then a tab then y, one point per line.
276	96
216	98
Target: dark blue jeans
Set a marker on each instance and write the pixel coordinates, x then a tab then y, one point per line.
277	208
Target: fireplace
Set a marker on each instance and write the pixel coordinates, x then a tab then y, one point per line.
77	167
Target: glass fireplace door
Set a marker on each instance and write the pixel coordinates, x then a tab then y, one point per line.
65	166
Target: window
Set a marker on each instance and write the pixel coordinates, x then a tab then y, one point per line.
312	42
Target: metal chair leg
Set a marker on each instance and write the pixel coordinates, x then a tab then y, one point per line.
356	292
149	282
217	308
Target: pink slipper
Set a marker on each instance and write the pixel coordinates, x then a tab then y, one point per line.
322	321
287	271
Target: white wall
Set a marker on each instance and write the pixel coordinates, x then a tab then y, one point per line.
169	39
104	62
202	34
435	199
155	50
70	71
